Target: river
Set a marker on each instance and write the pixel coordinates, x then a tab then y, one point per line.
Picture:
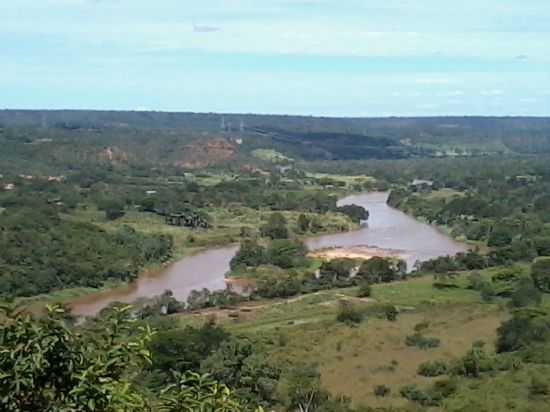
387	228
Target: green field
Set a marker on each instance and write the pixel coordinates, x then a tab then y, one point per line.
353	360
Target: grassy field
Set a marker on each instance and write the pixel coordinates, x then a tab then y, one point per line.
226	225
353	360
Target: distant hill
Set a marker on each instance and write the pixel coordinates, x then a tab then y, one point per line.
520	134
77	137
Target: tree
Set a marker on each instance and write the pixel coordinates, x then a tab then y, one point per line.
195	392
540	272
339	268
377	269
526	327
286	253
47	366
526	294
250	254
275	228
354	212
184	349
239	364
113	209
500	236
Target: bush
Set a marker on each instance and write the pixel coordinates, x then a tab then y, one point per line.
442	389
475	362
348	313
365	290
421	341
433	368
381	390
414	394
391	312
433	396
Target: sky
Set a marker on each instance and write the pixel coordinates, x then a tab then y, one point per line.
309	57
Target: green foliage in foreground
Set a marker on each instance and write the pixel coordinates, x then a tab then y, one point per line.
46	366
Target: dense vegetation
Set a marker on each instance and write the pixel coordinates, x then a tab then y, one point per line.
42	252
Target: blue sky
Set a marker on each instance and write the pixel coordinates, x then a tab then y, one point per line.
311	57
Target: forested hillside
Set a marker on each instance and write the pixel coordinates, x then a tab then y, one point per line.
441	136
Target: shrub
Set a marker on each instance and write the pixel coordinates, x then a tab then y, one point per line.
365	290
433	368
414	394
422	341
475	362
432	396
348	313
442	389
391	312
381	390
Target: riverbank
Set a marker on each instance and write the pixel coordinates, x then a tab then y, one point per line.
387	229
226	232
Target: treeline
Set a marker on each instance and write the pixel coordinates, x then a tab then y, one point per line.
501	204
521	133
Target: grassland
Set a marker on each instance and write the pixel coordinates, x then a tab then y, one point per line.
353	360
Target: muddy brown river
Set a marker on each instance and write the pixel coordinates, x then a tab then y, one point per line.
387	228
